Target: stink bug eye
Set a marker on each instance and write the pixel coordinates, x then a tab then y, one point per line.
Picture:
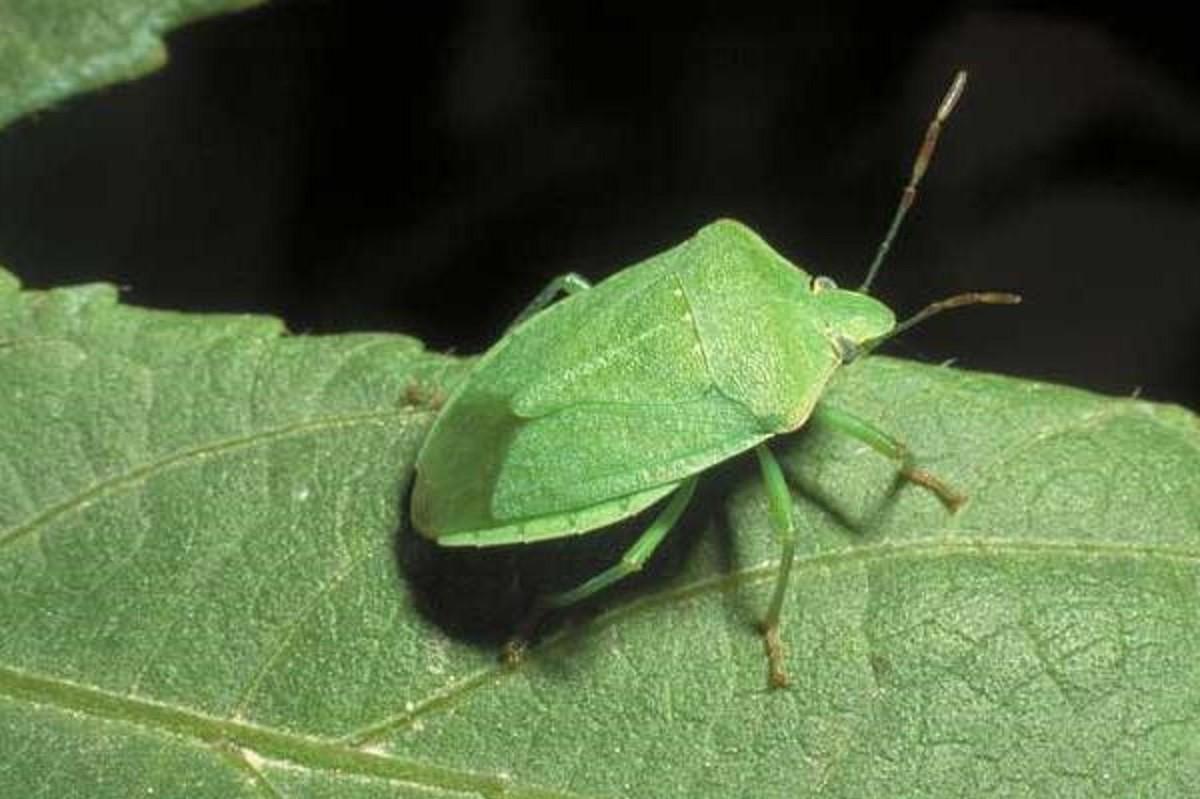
593	408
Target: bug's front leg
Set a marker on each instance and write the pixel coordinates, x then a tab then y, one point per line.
856	427
779	501
570	283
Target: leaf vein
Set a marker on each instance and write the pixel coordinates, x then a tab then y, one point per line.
131	477
316	753
921	547
289	629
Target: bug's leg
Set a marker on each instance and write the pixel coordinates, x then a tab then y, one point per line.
636	556
779	501
569	283
631	562
881	442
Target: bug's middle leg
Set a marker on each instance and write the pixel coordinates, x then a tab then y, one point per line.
856	427
632	561
636	556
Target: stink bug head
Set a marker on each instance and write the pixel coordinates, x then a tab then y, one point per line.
849	319
852	319
858	324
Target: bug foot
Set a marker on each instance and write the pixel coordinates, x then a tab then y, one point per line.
515	648
776	676
513	651
952	499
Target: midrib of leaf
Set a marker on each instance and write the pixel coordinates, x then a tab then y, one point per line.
351	754
134	476
928	547
222	734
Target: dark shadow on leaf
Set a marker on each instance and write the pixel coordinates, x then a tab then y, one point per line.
483	595
812	445
862	525
473	595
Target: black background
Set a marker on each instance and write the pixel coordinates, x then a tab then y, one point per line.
360	166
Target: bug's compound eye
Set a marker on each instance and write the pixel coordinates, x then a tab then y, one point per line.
822	283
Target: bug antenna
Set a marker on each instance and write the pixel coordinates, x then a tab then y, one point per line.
957	301
924	156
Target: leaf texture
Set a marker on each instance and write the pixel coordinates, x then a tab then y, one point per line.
207	588
51	50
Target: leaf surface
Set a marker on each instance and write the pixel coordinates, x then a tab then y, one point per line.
208	588
52	50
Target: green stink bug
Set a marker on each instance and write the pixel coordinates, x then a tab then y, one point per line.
618	396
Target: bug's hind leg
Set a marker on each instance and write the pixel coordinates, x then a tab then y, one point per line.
779	504
630	563
884	444
570	283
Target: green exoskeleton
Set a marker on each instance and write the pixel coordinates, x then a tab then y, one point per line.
592	408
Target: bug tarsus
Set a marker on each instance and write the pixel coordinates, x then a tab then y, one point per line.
570	283
514	649
779	500
773	646
953	500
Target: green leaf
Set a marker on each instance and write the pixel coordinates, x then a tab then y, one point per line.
52	49
207	588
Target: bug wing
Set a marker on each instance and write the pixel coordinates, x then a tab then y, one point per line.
627	342
624	402
583	415
575	469
600	404
591	452
723	311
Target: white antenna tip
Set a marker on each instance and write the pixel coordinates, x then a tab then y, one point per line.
951	99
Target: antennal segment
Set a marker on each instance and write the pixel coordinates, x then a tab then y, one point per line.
924	156
957	301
